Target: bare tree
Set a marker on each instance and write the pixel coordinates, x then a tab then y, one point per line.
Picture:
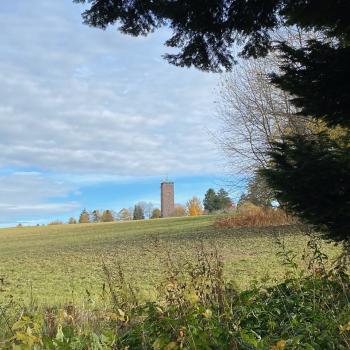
147	208
254	112
124	215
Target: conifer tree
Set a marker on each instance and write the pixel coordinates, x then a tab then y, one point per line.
211	201
138	213
224	200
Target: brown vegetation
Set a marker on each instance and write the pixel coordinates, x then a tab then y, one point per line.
256	217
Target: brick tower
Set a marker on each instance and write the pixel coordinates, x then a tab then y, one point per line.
167	199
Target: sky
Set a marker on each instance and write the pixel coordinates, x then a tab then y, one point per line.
96	119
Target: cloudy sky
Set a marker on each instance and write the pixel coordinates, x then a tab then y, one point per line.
95	119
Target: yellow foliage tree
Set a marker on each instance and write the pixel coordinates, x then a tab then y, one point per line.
194	207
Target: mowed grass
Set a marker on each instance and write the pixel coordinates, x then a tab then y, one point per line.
59	264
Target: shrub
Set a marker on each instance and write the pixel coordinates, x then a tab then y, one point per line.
199	309
254	216
56	222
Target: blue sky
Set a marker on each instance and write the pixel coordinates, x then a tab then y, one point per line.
95	119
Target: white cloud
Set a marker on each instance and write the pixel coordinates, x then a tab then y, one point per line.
89	106
25	196
79	100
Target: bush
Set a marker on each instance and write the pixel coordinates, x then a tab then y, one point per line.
199	309
56	222
253	216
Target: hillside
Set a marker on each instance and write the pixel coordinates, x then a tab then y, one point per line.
58	264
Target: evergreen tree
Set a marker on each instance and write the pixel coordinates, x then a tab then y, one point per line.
107	216
211	201
207	33
310	177
224	200
84	217
138	213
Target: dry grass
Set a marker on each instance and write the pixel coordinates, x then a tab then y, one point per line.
256	217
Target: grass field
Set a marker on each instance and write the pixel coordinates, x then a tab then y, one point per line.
57	264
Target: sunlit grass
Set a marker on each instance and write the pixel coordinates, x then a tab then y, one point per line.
59	264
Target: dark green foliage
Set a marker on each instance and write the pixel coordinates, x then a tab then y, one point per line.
138	213
311	178
224	200
258	192
305	314
210	201
205	30
318	75
216	201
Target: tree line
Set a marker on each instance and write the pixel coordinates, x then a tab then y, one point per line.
213	202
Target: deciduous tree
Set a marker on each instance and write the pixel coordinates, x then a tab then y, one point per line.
84	217
72	221
107	216
259	193
147	208
194	207
156	214
179	210
96	216
124	215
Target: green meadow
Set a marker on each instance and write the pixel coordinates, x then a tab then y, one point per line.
63	263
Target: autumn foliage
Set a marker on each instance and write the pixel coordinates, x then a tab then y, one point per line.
256	217
194	207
